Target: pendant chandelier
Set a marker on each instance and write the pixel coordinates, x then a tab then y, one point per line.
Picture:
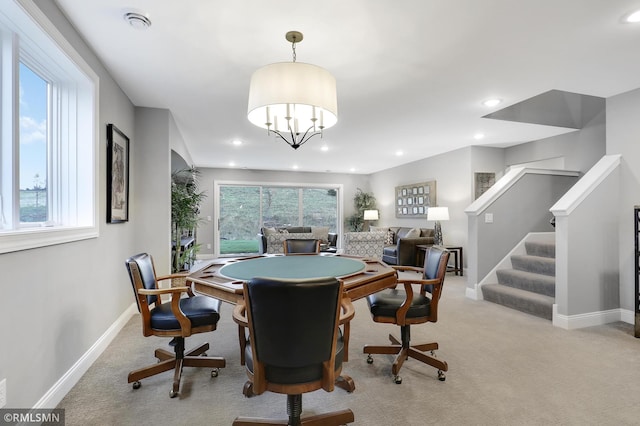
293	100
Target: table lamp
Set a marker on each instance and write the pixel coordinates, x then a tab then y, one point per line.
437	214
368	216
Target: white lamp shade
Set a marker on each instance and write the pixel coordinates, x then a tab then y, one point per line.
438	213
292	89
371	215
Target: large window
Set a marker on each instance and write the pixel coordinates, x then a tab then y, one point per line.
244	209
48	128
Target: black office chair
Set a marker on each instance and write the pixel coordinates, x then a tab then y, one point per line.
295	345
301	246
406	307
178	318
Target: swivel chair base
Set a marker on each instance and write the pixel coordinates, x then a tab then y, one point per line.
404	351
168	361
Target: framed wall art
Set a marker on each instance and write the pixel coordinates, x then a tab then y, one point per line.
414	200
117	175
483	181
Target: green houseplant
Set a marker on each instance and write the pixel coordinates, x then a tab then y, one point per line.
361	201
185	208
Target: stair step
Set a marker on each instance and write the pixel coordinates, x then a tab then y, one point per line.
541	248
535	264
536	283
521	300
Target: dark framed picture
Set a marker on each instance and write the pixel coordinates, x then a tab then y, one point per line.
117	175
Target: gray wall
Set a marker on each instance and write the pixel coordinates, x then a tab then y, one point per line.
580	149
151	201
453	176
623	131
209	175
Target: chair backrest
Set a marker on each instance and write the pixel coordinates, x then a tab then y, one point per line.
143	275
435	266
301	246
293	323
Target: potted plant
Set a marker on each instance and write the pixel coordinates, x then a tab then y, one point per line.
185	208
362	201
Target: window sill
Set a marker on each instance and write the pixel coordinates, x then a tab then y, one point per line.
26	239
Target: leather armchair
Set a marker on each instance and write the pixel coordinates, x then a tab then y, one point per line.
178	318
408	306
295	344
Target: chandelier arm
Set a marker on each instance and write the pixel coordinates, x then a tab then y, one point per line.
294	142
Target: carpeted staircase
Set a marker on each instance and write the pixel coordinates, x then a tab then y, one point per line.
530	285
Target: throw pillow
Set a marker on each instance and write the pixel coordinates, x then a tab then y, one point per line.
320	233
413	233
389	238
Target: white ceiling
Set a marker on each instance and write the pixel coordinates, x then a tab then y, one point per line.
411	74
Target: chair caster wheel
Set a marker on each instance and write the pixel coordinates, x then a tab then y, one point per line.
441	376
215	372
397	380
247	390
136	384
173	394
369	359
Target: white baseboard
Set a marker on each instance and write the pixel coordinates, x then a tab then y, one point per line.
58	391
473	293
572	322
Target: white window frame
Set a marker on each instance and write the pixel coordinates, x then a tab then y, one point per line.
216	202
26	35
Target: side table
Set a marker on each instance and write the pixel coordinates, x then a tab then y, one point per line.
458	263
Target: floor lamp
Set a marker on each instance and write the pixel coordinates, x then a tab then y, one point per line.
438	214
368	216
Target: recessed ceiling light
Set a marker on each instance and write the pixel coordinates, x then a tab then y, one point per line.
399	153
294	167
138	20
236	142
232	164
324	148
491	102
353	169
632	17
478	136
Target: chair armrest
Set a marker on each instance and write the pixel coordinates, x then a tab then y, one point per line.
407	268
348	311
171	276
401	314
176	292
160	291
240	314
332	239
182	275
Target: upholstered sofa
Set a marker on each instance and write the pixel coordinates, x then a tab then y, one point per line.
271	239
364	244
403	250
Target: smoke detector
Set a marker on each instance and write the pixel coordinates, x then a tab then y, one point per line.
138	20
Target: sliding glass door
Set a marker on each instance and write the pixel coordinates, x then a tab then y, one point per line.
244	209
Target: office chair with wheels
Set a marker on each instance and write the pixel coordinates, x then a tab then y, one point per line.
295	345
178	318
407	306
301	246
